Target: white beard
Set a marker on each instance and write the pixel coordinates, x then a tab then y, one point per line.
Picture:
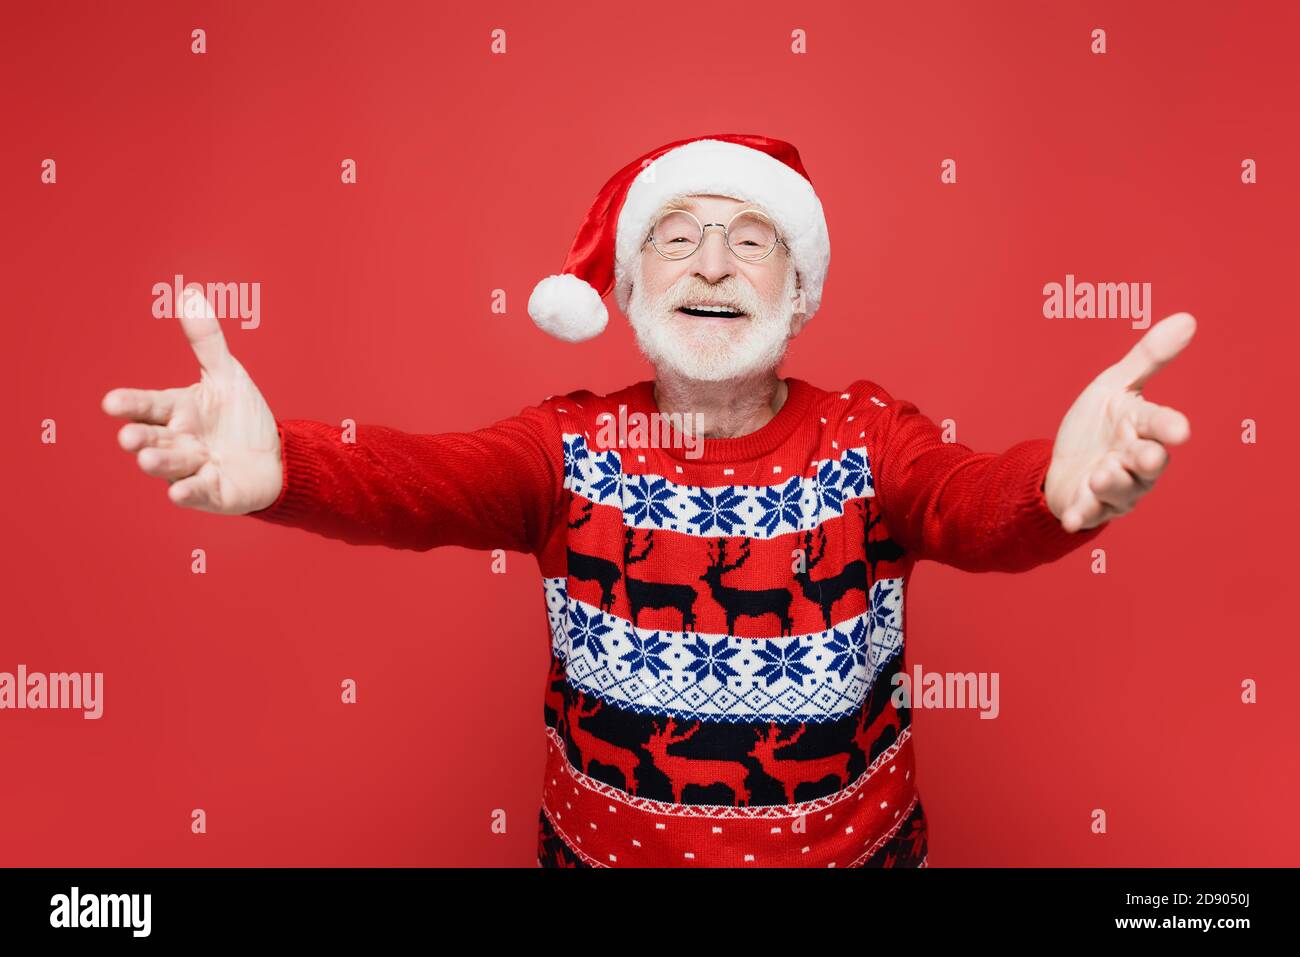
712	351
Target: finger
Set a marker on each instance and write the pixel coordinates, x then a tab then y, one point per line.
1161	423
141	405
198	490
1113	486
172	464
199	322
1084	512
135	436
1105	514
1089	515
1145	459
1158	346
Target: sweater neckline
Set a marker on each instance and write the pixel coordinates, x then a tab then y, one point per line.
762	441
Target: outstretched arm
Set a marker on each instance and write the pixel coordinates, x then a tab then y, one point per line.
1041	498
221	450
496	487
977	511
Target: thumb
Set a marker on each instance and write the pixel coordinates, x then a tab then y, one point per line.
1153	351
201	328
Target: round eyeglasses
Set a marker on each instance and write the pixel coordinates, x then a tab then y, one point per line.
749	235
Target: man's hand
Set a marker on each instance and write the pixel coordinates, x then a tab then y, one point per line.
1111	446
215	441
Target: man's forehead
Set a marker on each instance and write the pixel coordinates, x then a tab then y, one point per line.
695	201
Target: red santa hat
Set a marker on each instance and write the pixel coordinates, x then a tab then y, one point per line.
756	169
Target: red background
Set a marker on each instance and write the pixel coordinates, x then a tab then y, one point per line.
1119	691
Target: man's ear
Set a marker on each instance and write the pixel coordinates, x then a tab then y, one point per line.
798	319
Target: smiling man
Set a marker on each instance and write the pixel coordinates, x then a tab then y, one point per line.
724	626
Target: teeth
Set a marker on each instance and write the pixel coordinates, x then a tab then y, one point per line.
711	308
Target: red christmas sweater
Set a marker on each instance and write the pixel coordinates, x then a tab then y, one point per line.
723	627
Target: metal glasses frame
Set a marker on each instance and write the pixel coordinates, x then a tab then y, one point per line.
726	235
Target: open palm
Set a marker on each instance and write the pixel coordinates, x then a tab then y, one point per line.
215	441
1112	443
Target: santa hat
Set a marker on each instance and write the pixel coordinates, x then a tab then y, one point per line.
756	169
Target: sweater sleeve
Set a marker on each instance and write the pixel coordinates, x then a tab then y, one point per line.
496	487
977	511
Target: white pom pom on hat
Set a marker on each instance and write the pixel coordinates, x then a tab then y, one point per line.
757	169
567	308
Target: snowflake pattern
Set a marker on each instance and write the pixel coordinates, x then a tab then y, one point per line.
819	676
711	659
855	476
781	503
783	661
586	630
716	510
800	503
645	500
646	653
575	458
851	649
830	491
606	481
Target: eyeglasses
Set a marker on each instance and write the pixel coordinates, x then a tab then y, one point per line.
749	235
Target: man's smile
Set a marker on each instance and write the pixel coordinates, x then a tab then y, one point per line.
716	313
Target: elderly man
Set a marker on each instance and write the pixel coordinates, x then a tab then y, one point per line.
725	615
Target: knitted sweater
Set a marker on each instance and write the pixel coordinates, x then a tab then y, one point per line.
723	627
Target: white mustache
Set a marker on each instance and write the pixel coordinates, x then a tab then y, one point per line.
747	304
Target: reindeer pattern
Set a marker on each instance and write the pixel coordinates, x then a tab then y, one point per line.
668	758
718	587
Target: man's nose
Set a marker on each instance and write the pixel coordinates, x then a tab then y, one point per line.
713	260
